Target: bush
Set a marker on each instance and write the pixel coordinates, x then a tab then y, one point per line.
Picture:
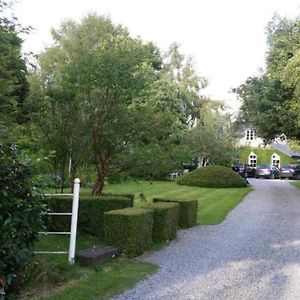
165	220
21	214
130	196
90	214
187	211
129	229
213	177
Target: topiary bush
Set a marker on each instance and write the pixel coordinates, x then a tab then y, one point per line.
90	213
188	210
165	220
21	215
213	177
129	229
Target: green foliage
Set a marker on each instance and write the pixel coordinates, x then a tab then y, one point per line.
129	229
13	79
21	212
213	177
212	139
270	100
165	220
90	215
187	210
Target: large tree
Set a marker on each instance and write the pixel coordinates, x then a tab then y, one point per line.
101	74
13	77
270	101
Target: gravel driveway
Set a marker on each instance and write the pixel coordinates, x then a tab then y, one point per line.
253	254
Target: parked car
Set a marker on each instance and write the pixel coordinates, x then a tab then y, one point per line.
244	170
267	171
290	171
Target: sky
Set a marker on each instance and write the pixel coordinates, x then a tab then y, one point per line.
225	38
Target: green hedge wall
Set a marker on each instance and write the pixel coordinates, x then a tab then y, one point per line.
187	211
90	214
130	196
165	220
129	229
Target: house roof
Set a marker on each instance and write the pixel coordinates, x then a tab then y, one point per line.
286	150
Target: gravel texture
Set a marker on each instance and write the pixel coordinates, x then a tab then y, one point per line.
253	254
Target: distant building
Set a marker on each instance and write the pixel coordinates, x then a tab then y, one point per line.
250	138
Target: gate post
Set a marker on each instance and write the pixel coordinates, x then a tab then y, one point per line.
74	221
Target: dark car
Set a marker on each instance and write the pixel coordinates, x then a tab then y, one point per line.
267	171
244	170
290	171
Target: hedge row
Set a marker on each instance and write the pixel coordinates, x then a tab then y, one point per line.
129	229
90	214
187	212
133	230
165	220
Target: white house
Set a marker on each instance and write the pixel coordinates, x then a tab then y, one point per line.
250	138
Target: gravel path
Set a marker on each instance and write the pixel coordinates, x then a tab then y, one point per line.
253	254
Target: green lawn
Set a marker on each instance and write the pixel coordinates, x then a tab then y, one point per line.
213	204
296	184
102	281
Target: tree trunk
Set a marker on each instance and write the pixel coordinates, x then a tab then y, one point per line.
63	167
99	184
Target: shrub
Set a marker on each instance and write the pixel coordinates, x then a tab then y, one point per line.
213	177
165	220
187	211
130	196
129	229
21	213
90	214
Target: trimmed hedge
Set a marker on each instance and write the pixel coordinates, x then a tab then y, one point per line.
129	229
187	211
130	196
165	220
213	177
90	214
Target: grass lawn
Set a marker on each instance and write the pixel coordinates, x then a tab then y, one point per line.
296	184
103	281
213	204
53	278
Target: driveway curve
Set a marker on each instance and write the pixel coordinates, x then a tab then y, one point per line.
253	254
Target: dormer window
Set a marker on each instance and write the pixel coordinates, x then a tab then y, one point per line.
250	134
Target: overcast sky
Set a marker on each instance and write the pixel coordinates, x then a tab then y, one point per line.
226	38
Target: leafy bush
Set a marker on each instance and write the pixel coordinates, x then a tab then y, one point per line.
90	214
21	213
165	220
213	177
187	211
129	229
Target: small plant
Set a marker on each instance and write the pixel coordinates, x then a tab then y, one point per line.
143	197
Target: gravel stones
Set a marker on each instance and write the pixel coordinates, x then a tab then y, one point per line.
253	254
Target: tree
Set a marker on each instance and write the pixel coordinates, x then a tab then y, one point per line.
101	72
269	101
13	77
212	140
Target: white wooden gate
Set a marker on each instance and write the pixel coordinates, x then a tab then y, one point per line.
73	230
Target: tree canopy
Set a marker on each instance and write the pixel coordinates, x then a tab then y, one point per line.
270	100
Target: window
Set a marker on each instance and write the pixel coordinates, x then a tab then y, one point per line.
275	160
252	160
250	135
